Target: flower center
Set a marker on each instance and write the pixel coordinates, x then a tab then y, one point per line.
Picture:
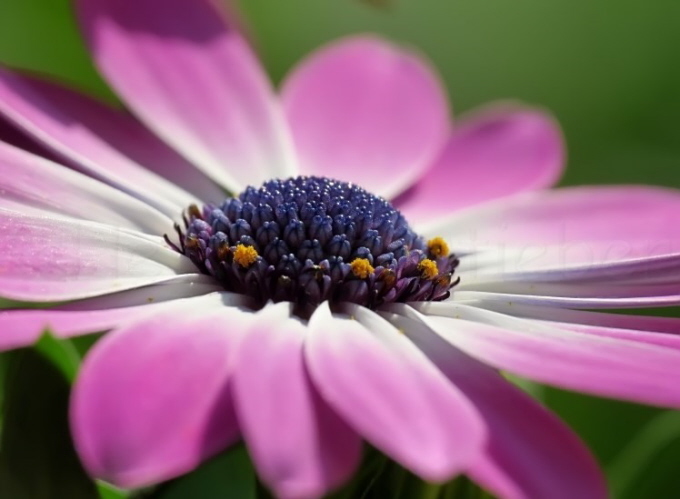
310	239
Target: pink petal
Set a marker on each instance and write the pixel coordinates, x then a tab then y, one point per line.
9	134
20	328
100	140
300	447
187	73
32	184
391	394
365	111
530	453
664	331
500	150
51	259
628	221
152	401
609	367
571	297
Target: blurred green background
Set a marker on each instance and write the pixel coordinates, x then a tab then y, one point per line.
608	69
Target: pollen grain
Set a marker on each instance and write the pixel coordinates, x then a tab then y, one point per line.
245	256
438	247
361	268
428	268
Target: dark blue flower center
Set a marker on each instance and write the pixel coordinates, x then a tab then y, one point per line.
309	239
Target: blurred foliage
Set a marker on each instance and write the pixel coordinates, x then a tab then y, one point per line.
37	460
608	69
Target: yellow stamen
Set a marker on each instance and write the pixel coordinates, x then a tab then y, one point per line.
438	247
428	268
361	268
245	256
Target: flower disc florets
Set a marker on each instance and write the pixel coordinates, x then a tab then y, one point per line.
311	239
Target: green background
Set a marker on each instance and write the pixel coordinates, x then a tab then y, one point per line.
608	69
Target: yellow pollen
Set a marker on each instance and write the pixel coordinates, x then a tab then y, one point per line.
245	256
438	247
428	268
361	268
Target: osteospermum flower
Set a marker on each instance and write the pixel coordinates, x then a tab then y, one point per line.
316	268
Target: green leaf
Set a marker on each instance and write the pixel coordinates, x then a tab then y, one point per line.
639	468
108	491
61	353
37	460
229	475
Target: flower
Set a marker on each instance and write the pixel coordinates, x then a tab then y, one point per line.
204	348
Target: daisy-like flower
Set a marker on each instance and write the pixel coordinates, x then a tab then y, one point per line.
252	290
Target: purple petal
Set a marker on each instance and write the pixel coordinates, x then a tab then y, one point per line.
391	394
530	453
300	447
152	401
21	328
571	297
32	184
187	73
100	140
365	111
664	331
50	259
612	222
498	151
609	367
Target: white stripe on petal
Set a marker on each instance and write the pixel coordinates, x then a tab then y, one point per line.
33	184
51	259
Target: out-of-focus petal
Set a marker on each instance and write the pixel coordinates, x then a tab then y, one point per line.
391	394
300	447
152	401
52	259
497	151
101	141
609	367
189	75
364	111
530	453
32	184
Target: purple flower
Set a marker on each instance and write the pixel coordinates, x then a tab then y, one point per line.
306	315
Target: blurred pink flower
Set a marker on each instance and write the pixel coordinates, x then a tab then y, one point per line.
190	368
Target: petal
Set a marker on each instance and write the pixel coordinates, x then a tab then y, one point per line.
572	297
530	453
628	221
99	140
300	447
152	401
365	111
664	331
188	74
51	259
32	184
22	328
595	263
602	366
500	150
9	134
390	393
